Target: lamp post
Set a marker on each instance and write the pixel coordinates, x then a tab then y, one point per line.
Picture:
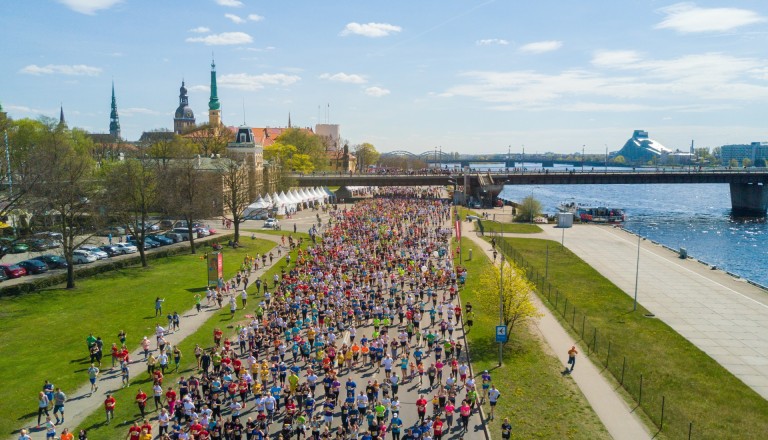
522	161
501	302
606	158
582	158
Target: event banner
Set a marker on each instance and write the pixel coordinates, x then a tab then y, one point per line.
215	267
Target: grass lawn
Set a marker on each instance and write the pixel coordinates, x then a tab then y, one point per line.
126	410
43	333
539	402
696	389
491	227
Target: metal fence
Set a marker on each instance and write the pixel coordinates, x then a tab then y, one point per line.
617	360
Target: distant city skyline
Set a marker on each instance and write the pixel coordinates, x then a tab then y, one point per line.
462	76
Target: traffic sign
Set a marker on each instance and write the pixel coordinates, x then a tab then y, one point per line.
501	333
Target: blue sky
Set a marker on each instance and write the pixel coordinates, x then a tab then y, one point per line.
467	76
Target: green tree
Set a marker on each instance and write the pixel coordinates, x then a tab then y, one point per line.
366	155
509	283
746	162
279	153
619	159
733	163
528	208
760	162
209	141
301	163
306	143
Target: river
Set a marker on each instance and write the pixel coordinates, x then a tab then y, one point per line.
693	216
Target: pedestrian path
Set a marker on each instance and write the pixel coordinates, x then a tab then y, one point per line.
81	403
725	317
613	411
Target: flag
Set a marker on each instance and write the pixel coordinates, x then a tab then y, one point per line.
458	230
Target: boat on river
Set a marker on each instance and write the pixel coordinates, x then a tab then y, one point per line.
600	214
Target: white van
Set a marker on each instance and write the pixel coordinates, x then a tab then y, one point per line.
183	232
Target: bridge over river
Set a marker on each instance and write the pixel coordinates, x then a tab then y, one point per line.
749	186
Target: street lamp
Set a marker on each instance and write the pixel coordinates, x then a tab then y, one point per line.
606	158
501	303
582	158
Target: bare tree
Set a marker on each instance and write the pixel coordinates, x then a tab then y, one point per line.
236	190
189	193
131	191
68	187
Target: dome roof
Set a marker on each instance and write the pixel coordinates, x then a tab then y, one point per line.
182	90
184	112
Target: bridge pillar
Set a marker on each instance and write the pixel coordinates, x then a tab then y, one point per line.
749	199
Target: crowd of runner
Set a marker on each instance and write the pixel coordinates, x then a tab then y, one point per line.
375	293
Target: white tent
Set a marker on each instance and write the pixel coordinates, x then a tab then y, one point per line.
257	210
278	203
320	194
297	198
290	205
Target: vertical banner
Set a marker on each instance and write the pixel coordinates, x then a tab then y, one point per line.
458	230
215	267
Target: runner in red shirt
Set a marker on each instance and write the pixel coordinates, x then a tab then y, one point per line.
141	401
109	407
146	426
437	426
421	407
134	431
195	429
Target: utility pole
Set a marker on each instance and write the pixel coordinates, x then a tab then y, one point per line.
582	158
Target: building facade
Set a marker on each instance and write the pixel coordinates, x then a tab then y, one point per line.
739	152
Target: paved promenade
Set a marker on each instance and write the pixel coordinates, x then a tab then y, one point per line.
725	317
617	416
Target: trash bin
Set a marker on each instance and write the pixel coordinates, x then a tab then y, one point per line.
683	253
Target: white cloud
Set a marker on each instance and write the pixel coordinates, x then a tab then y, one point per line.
63	69
244	81
541	46
89	7
372	30
344	78
199	88
489	41
255	17
230	3
234	18
222	39
689	18
200	30
25	109
697	82
376	92
615	58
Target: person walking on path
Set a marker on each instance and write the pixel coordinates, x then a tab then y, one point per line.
42	406
572	358
93	375
159	306
493	397
58	405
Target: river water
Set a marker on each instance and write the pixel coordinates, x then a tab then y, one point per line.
693	216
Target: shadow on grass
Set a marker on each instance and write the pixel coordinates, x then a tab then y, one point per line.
487	349
196	289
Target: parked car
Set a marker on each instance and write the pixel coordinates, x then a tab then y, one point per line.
95	250
3	275
211	230
173	236
135	244
126	248
202	232
19	247
37	244
80	256
53	261
13	270
163	240
111	250
271	223
151	240
33	266
166	224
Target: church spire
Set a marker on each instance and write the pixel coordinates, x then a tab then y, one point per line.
213	103
289	119
62	122
214	111
114	121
